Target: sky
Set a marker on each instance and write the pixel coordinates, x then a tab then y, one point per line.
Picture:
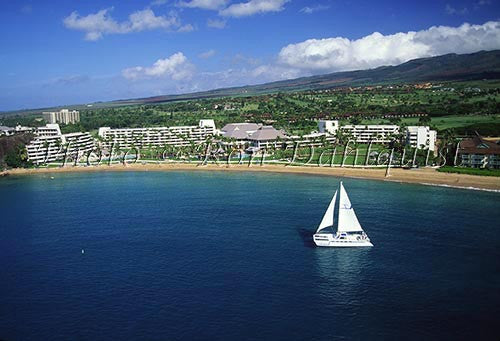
59	52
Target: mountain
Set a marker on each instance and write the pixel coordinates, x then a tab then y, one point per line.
449	67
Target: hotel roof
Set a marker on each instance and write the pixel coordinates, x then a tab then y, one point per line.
478	145
239	130
267	133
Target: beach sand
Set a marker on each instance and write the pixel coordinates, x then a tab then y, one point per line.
427	176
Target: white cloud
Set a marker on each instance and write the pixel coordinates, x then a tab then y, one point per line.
186	28
340	54
207	54
311	10
454	11
158	2
252	7
147	20
214	23
204	4
240	59
176	67
98	24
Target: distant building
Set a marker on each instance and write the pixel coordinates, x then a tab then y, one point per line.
21	129
64	116
479	153
207	123
421	137
328	127
50	145
371	133
157	136
7	131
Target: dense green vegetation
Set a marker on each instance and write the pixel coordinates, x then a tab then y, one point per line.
470	171
13	151
460	107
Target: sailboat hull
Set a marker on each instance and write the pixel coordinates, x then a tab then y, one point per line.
330	240
349	231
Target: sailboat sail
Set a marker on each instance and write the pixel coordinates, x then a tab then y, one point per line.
348	222
328	217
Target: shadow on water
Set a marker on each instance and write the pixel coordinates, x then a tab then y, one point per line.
306	237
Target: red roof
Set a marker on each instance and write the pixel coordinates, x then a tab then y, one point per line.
478	145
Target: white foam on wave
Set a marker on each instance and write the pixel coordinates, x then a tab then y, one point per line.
461	187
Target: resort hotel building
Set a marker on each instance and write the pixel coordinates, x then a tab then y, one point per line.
50	145
416	136
256	136
64	116
329	127
239	132
8	131
265	137
421	137
375	133
157	136
478	152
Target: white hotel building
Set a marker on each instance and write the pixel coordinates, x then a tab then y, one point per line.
50	145
63	116
421	137
376	133
157	136
416	136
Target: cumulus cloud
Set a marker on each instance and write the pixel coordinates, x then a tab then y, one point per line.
252	7
176	67
376	49
98	24
204	4
214	23
207	54
311	10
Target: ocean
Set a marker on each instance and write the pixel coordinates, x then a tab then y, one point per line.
229	256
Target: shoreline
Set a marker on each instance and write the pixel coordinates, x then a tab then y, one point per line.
423	176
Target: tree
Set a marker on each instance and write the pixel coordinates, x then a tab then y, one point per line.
355	119
17	157
424	120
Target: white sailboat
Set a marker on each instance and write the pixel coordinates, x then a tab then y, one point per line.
349	231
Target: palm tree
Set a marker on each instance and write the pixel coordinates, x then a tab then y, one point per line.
46	146
387	172
345	151
66	147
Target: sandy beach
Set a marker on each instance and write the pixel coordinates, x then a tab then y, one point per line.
427	176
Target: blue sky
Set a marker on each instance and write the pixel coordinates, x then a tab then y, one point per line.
69	52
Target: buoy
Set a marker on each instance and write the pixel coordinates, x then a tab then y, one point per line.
52	177
83	251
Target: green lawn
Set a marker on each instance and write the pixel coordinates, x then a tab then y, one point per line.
443	122
470	171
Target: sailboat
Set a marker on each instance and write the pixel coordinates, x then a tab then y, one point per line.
349	231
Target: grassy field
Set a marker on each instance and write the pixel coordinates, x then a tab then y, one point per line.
442	123
470	171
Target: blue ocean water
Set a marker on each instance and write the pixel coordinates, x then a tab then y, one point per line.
228	256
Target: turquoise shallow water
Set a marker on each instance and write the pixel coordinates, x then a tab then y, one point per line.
212	256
